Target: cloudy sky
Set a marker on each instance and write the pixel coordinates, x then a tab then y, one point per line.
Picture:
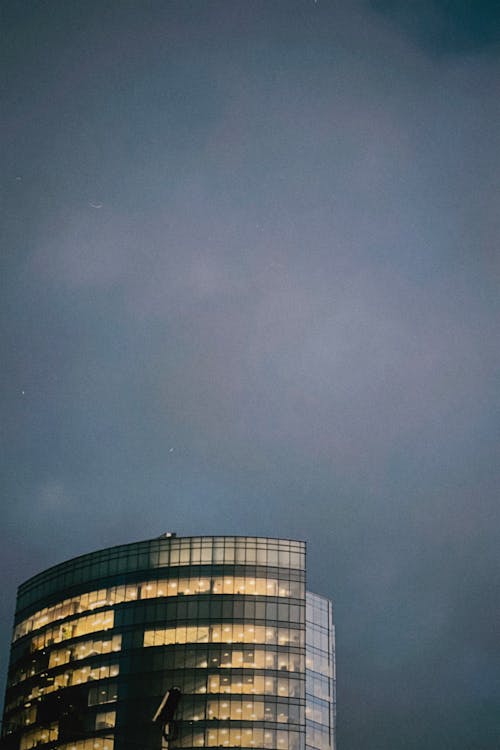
250	284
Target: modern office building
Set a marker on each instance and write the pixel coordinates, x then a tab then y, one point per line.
100	640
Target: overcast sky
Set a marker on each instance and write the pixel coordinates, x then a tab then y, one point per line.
250	284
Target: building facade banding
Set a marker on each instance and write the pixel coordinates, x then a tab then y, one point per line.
100	639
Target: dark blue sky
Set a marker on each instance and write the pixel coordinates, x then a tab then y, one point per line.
250	284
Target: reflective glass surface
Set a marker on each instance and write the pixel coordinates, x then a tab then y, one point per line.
320	674
101	638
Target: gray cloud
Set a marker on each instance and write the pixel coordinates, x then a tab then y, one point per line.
446	28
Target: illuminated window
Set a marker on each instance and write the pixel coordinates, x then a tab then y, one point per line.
84	649
104	693
154	589
99	743
37	736
218	634
105	720
74	628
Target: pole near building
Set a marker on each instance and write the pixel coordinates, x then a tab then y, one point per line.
165	713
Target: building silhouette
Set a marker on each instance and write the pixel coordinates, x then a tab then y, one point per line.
100	640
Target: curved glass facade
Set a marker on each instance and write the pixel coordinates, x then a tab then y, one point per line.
98	641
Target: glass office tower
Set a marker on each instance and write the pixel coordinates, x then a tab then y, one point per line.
100	639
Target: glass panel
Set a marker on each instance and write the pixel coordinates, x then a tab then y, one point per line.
153	589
